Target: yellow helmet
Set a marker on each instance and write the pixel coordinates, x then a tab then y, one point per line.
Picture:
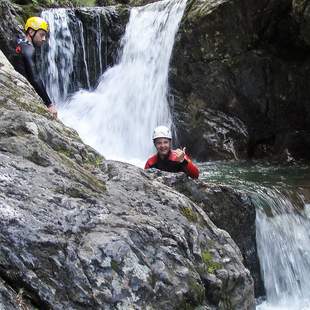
36	23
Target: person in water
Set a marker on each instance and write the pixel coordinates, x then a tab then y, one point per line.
167	159
36	30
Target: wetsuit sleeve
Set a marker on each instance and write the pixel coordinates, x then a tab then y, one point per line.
190	169
147	165
151	162
34	79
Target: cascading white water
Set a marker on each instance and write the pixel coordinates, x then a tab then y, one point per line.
58	65
283	243
98	41
118	117
84	52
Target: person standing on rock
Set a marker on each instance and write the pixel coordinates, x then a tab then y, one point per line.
36	30
167	159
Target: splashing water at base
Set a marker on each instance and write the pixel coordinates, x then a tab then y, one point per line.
118	118
283	242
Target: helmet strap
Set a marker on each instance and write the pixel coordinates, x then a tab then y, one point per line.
32	36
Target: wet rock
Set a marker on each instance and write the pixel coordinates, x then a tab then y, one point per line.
79	232
10	28
248	60
103	27
211	134
11	300
301	12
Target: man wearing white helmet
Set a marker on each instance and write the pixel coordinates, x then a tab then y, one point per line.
167	159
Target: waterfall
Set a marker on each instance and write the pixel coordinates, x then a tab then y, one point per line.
58	65
99	41
73	58
118	117
84	53
283	243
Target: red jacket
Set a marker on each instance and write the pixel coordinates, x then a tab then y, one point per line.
172	164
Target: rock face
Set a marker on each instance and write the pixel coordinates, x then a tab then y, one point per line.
10	300
79	232
239	73
10	28
110	24
229	209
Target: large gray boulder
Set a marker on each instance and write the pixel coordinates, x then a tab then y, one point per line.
230	209
79	232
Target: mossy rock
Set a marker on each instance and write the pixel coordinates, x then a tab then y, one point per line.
189	214
116	266
210	264
30	8
195	297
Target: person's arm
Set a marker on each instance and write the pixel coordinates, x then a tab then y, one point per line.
34	79
151	162
147	165
187	165
190	168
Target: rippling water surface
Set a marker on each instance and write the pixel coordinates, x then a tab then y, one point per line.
247	174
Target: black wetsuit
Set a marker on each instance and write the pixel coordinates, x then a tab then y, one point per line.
171	163
28	68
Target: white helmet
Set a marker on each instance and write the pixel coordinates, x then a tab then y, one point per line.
162	132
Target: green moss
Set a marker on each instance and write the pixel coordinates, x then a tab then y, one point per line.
211	266
189	214
66	152
115	266
40	109
34	7
206	257
85	2
94	160
85	178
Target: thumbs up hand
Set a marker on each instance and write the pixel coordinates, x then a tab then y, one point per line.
180	153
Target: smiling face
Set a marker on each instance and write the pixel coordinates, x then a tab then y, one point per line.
163	147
